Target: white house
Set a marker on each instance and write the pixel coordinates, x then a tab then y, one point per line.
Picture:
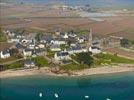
5	54
64	35
10	34
72	35
31	45
29	64
55	48
41	46
58	41
14	40
61	56
81	39
26	40
76	49
27	52
95	50
57	33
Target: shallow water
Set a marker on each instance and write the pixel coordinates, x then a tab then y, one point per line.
98	87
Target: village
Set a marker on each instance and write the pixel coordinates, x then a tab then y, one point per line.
57	48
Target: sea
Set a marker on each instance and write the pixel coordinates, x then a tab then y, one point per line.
119	86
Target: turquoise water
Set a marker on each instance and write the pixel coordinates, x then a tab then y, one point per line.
99	87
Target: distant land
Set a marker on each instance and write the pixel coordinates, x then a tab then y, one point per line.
93	3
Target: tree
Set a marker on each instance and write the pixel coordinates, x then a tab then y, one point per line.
85	58
14	52
124	42
38	36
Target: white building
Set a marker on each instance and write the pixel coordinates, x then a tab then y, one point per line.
76	49
25	40
55	48
41	46
29	64
95	50
65	36
12	40
27	52
5	54
58	41
81	39
62	56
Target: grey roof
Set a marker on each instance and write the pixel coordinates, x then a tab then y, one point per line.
55	46
95	47
39	50
29	62
77	47
26	50
19	46
47	38
5	51
59	39
62	53
95	43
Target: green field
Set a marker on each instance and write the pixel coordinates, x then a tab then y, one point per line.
41	61
107	59
2	36
15	65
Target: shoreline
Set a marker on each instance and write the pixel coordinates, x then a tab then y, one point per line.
85	72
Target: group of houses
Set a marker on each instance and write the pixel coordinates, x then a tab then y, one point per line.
63	44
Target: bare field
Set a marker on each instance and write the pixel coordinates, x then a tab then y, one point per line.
48	19
123	53
5	45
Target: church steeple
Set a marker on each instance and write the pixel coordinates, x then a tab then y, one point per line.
89	42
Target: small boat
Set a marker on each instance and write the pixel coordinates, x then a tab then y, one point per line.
56	95
108	99
40	94
86	97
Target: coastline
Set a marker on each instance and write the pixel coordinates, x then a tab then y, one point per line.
85	72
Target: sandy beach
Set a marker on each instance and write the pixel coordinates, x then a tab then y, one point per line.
47	71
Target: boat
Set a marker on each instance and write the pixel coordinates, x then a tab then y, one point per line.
108	99
56	95
86	97
40	94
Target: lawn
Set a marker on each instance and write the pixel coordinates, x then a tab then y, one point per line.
83	32
14	65
41	61
12	58
111	59
50	54
2	36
